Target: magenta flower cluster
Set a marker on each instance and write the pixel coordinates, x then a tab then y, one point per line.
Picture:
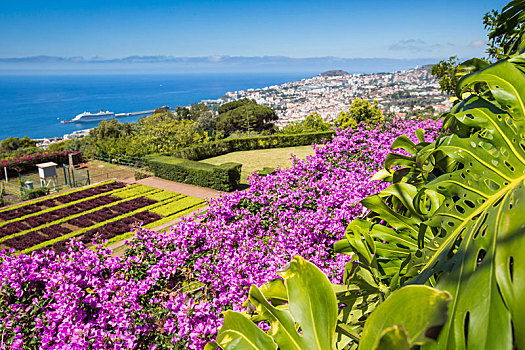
169	289
25	162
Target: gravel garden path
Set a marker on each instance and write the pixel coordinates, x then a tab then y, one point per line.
177	187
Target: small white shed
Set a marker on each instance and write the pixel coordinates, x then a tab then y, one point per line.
48	173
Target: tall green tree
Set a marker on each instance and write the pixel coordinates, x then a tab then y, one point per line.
360	111
446	72
163	133
245	115
234	104
182	113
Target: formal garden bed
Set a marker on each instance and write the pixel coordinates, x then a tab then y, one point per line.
105	211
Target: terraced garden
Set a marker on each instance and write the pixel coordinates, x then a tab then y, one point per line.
104	211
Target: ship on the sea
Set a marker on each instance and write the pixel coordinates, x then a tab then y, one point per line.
95	117
90	117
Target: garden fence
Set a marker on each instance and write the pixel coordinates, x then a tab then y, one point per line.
10	189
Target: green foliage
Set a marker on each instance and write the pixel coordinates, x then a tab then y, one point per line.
244	115
411	316
35	193
82	145
207	121
134	190
217	148
58	195
139	175
445	71
163	195
506	30
312	310
312	123
110	129
3	201
182	113
453	220
14	143
453	216
160	132
360	111
223	177
196	111
177	206
234	104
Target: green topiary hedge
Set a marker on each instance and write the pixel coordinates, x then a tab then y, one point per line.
223	177
217	148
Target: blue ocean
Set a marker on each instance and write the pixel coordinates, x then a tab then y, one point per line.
34	105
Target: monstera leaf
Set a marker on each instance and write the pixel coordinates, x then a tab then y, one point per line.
307	321
452	218
412	315
480	261
392	241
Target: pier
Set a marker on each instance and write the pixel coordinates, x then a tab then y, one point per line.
131	114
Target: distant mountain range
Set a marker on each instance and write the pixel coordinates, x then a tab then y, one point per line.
208	64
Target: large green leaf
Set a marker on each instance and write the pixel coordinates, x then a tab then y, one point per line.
239	332
307	321
412	315
452	216
480	261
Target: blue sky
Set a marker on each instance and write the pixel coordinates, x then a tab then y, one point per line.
373	28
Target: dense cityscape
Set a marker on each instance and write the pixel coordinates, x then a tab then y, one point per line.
403	93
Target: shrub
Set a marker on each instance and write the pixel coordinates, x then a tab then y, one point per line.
224	177
217	148
139	175
27	162
35	193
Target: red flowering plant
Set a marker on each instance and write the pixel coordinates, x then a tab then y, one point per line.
26	163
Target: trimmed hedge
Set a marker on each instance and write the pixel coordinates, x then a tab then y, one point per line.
224	177
139	175
218	148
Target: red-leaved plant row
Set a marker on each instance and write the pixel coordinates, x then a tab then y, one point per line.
110	230
52	202
33	238
53	215
111	212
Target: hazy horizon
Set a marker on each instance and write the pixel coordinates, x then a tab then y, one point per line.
209	64
299	30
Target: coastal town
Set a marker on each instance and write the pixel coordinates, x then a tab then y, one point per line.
414	92
403	94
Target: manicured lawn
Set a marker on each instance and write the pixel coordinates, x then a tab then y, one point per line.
257	159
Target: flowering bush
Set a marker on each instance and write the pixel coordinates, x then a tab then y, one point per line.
25	163
169	289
